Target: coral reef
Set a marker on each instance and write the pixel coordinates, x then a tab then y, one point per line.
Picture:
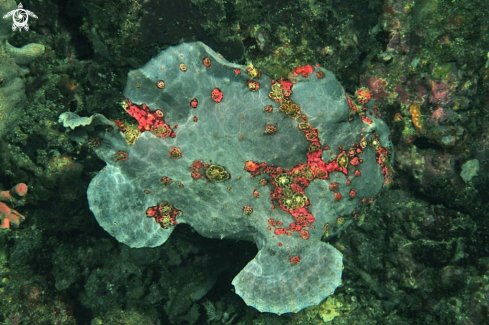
12	70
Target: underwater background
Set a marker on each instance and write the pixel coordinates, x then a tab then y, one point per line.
418	255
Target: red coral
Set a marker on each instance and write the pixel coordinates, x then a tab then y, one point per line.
353	193
175	153
164	214
303	71
295	260
286	86
247	210
11	216
253	168
253	85
160	84
149	121
207	62
363	95
216	95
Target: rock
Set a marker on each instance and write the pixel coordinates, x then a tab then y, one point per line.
469	170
